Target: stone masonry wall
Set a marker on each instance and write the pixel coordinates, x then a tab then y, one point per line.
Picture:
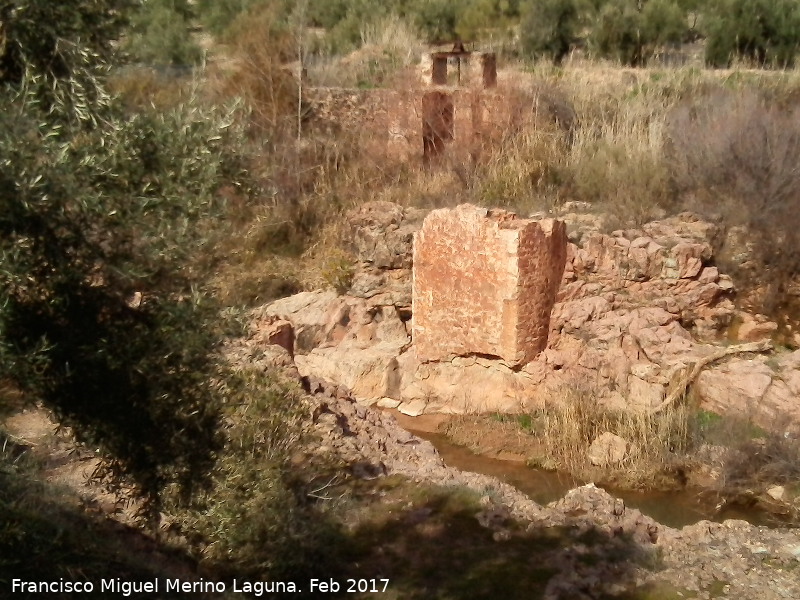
484	284
389	123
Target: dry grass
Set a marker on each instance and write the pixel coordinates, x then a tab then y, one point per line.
254	72
389	47
141	88
573	419
327	263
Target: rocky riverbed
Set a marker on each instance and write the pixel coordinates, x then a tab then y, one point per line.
605	549
626	551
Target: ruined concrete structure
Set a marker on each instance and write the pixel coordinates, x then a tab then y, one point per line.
459	68
454	107
485	283
452	83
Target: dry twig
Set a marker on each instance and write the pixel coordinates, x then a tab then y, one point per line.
690	374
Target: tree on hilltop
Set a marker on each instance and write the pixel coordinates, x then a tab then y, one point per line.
632	30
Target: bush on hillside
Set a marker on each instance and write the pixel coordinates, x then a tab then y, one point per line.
765	32
487	19
631	32
550	28
217	15
250	521
160	34
663	23
735	156
437	19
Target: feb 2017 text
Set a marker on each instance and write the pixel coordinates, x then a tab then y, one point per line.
117	586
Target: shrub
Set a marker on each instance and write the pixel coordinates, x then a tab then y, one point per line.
631	31
250	521
486	19
734	155
99	318
618	33
663	23
758	463
101	218
160	35
260	46
766	32
217	15
550	28
345	35
437	19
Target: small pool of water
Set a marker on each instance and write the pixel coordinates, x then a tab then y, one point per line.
673	508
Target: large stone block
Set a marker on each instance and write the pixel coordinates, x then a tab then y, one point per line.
484	284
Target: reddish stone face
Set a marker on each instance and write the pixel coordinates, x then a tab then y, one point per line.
485	283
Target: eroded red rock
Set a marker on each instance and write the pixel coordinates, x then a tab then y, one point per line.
485	283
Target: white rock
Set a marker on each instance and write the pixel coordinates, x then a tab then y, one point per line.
607	449
387	403
414	408
776	492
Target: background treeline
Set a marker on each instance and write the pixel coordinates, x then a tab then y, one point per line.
764	33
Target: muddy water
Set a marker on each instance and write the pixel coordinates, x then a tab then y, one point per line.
675	509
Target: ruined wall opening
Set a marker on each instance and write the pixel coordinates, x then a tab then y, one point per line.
439	70
489	64
438	115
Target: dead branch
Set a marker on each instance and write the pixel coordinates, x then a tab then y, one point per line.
316	494
679	390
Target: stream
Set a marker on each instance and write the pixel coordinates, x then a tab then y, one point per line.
671	508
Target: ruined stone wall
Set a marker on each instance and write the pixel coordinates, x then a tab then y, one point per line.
386	122
404	118
390	123
345	108
474	69
484	283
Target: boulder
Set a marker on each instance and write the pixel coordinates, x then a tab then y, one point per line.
753	328
272	330
737	387
607	449
381	239
317	317
777	492
382	234
466	385
484	283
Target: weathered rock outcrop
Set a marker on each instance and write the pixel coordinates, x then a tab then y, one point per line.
484	284
638	309
382	238
636	313
766	390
